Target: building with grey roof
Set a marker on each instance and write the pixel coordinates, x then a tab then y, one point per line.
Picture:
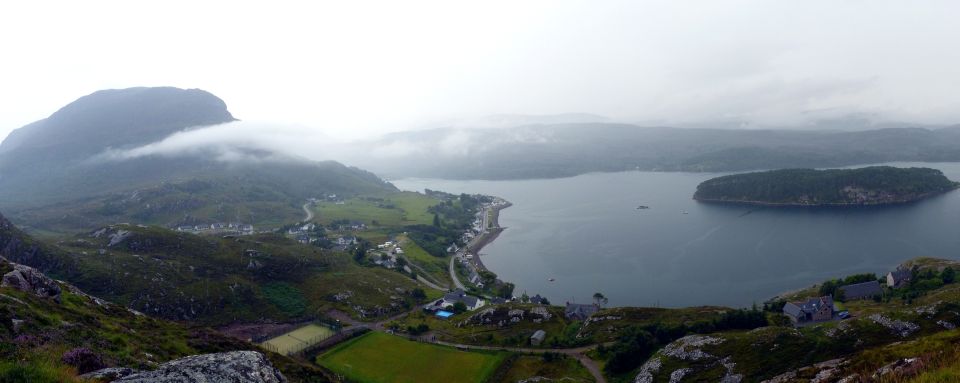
899	277
865	290
812	310
458	295
577	311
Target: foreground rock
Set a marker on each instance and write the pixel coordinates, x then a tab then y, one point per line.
234	367
28	279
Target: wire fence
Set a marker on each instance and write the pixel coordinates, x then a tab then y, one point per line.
289	344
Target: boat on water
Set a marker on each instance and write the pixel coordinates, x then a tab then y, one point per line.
684	212
551	279
641	207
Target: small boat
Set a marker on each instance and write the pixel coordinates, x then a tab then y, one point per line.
684	212
551	279
641	207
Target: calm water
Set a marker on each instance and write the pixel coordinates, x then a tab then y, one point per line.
586	232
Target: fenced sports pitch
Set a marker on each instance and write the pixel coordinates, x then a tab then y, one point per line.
298	340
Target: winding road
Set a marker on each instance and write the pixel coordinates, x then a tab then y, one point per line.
306	209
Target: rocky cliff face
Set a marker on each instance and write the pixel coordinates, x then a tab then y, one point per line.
236	367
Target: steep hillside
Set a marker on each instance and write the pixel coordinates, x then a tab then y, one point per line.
51	331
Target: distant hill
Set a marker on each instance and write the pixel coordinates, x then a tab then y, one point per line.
56	167
876	185
561	150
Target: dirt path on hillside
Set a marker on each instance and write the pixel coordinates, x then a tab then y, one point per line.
306	209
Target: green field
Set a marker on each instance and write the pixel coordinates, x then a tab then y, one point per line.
393	209
378	357
299	339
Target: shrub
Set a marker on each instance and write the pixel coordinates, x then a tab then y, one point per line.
84	359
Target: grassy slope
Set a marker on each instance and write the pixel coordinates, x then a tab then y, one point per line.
437	268
214	281
119	336
378	357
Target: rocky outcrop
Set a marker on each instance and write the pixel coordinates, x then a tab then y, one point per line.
690	347
899	327
648	370
28	279
828	371
235	367
108	374
901	368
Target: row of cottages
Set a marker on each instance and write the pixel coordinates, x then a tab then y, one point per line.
246	228
812	310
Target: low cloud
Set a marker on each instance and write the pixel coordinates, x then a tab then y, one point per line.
233	142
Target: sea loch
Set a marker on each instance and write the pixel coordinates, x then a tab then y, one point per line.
587	233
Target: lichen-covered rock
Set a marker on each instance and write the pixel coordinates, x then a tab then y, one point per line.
899	327
109	374
689	347
28	279
648	370
235	367
677	375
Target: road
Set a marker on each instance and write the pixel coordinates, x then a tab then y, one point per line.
453	274
306	209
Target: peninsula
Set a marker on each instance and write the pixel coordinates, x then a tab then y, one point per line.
875	185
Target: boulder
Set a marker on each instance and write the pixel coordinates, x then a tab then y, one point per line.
28	279
236	367
109	374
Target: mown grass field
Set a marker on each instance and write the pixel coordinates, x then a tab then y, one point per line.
394	210
382	358
299	339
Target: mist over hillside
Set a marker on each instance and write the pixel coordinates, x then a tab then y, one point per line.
559	150
102	150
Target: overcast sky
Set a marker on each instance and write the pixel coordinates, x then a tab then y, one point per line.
357	68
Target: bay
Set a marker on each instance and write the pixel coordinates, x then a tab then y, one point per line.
587	234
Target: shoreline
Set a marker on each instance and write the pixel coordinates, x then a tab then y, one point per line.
824	205
490	234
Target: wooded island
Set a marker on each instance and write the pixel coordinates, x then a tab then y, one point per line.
875	185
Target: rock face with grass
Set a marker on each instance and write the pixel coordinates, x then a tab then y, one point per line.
26	278
236	366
